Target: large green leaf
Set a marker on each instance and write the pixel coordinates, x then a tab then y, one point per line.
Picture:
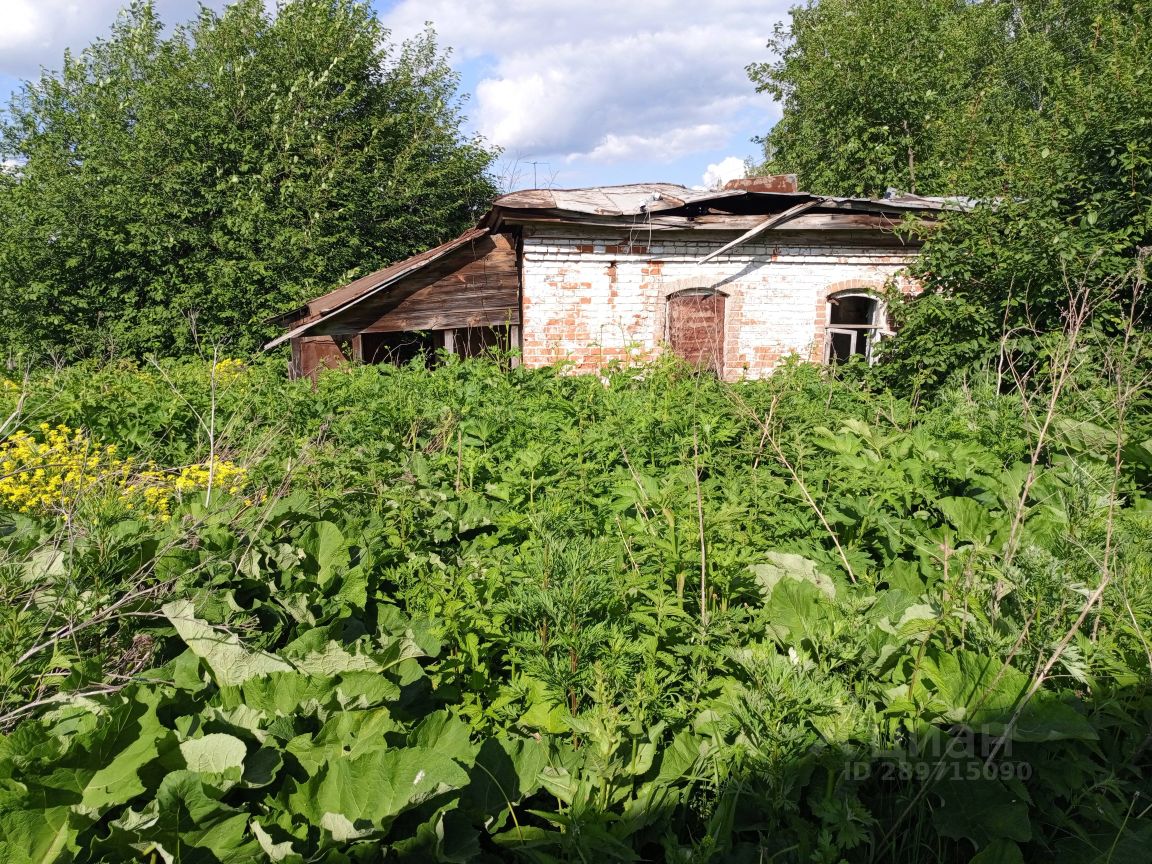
506	771
981	810
100	768
786	565
214	753
326	546
224	655
377	786
187	821
38	836
983	693
999	852
797	610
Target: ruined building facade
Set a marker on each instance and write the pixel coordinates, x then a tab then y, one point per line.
733	281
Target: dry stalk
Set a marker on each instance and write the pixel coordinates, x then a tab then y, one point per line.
700	518
1126	390
782	458
1080	308
639	485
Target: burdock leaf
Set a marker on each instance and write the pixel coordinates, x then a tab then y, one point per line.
224	655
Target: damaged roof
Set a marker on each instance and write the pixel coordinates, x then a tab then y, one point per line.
628	200
366	286
750	206
637	199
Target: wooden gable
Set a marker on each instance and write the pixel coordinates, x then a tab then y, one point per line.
477	285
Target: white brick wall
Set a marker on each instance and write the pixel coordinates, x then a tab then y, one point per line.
591	298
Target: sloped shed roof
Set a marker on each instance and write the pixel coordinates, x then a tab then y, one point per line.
366	286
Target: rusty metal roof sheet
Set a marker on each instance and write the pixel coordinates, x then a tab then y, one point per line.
636	199
625	200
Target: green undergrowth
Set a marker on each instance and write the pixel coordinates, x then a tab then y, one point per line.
474	614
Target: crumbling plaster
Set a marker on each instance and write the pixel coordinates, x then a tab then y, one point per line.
591	298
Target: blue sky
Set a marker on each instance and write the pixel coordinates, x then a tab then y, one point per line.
577	93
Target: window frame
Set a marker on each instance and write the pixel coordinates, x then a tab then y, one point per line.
876	330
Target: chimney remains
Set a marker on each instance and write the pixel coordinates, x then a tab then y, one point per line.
771	183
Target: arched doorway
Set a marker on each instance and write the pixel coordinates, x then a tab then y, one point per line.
855	322
695	328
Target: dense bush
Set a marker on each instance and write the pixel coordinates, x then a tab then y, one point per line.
475	614
177	183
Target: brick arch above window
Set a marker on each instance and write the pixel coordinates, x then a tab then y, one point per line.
853	286
697	284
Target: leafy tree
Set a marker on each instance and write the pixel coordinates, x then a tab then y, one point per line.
1040	108
881	93
176	188
1076	213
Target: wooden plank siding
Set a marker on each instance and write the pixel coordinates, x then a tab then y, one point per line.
477	285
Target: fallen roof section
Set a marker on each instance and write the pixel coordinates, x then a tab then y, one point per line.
637	199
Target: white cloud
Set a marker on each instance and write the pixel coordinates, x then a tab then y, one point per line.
34	33
664	147
605	81
591	83
719	173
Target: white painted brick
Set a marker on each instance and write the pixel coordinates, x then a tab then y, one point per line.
775	294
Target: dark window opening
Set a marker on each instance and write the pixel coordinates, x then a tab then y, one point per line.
855	310
854	323
401	348
477	341
397	348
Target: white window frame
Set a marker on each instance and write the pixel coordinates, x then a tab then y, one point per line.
877	329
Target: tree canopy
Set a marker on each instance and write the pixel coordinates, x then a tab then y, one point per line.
1042	109
168	189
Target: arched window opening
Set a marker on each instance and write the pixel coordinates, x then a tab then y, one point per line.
855	324
695	328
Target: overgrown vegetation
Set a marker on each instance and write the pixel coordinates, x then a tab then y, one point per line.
167	187
480	613
471	614
1038	110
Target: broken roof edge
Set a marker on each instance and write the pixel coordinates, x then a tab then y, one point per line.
375	283
631	200
641	199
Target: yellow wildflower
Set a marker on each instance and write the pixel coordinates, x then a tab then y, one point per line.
49	472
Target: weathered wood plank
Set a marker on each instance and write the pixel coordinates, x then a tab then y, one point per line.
475	286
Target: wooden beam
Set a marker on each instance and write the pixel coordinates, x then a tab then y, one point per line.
770	222
514	342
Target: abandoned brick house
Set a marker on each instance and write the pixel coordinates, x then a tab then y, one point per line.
733	281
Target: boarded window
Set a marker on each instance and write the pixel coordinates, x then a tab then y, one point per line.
696	329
